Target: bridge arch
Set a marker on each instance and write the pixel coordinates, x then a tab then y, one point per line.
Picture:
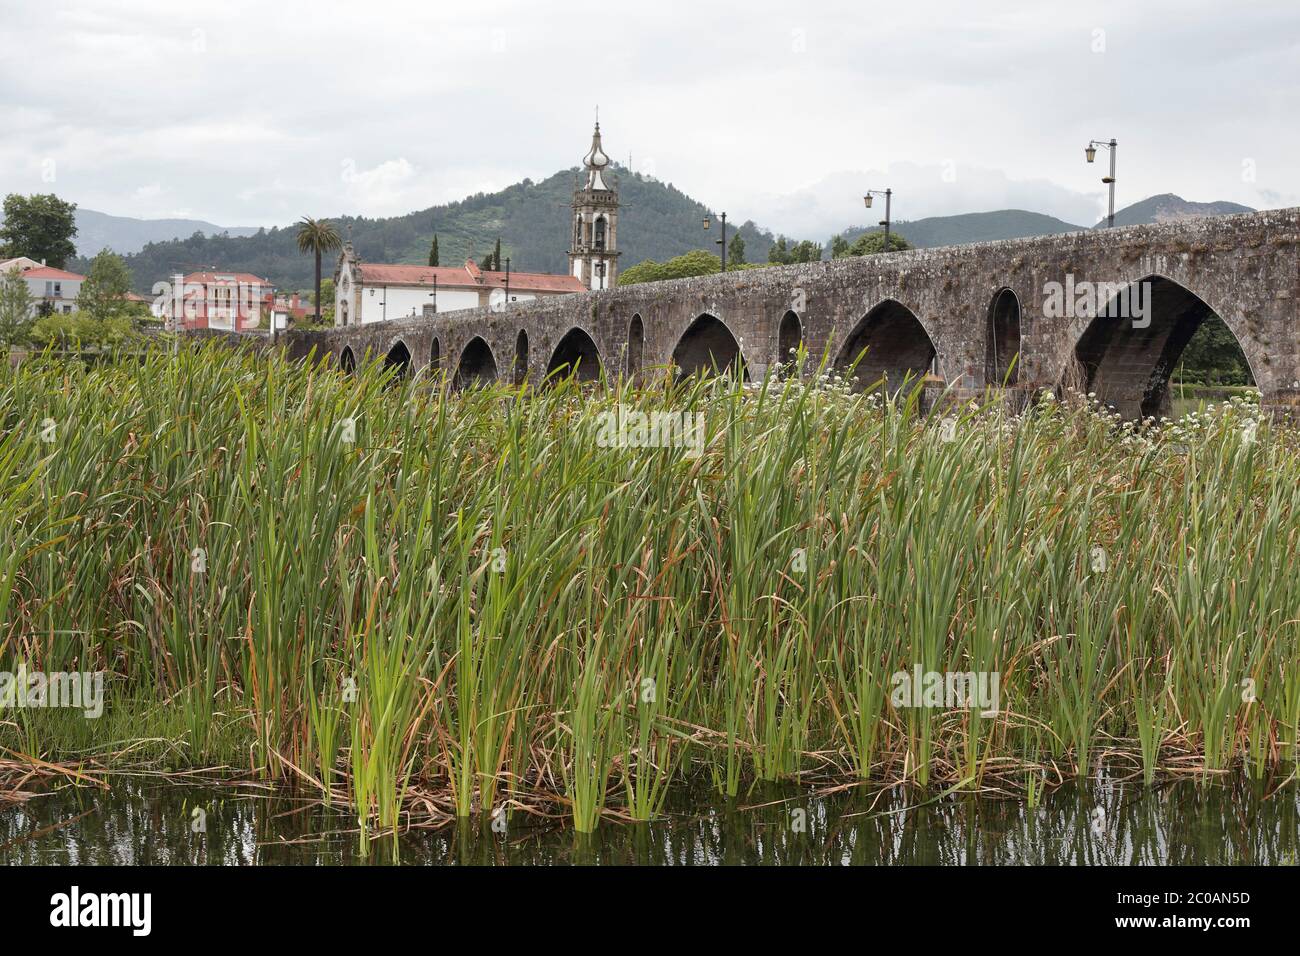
1002	339
789	337
1127	359
435	356
477	366
708	347
575	354
890	345
347	360
521	357
635	344
398	359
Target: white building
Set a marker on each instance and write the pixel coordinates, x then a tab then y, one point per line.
52	290
372	292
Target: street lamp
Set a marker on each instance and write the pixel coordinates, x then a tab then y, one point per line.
888	194
721	242
1090	151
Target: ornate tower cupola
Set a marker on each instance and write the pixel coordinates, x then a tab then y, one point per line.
593	254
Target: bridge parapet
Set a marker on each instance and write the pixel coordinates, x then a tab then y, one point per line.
960	312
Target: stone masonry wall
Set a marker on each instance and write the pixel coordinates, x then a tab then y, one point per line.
1246	268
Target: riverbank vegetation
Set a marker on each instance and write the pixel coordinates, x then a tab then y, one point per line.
424	604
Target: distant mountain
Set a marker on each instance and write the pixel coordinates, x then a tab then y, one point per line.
1167	208
657	221
1018	223
972	227
99	230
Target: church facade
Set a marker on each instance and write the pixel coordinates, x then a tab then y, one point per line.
367	292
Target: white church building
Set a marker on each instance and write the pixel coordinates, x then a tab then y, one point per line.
367	292
373	292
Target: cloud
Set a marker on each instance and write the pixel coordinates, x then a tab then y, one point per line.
387	187
245	112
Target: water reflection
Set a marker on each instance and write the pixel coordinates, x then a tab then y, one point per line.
1237	821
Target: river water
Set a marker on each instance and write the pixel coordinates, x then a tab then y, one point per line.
140	821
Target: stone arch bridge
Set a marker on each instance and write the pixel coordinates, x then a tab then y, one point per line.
960	313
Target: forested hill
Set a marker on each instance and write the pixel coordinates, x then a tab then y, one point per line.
974	227
657	221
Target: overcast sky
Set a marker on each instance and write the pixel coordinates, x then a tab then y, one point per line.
260	113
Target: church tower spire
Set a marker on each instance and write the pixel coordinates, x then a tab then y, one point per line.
593	253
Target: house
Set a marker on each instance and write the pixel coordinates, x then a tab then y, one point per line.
234	301
52	290
371	292
291	310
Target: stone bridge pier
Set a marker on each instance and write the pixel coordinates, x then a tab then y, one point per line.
1105	311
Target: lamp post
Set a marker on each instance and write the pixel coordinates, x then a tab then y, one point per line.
888	194
1090	151
723	241
507	302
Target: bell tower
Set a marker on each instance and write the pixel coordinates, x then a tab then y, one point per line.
593	252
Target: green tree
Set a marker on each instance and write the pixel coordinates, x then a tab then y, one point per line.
76	330
871	243
646	271
806	251
783	253
40	227
492	261
15	307
317	236
327	294
697	262
736	251
103	294
839	247
433	251
1213	357
58	328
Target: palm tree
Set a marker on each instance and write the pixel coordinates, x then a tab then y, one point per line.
318	236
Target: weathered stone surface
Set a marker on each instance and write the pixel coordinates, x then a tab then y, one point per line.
1244	268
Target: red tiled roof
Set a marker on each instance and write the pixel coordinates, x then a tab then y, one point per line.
468	276
220	278
535	282
376	274
49	272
